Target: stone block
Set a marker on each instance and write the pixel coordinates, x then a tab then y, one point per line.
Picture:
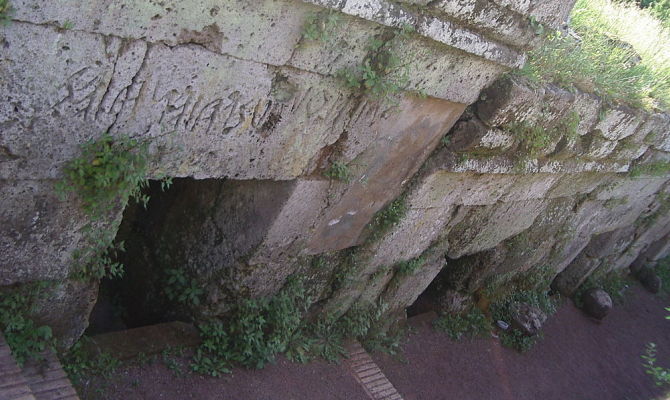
507	101
65	307
618	123
572	277
265	31
486	226
402	142
402	291
499	21
38	232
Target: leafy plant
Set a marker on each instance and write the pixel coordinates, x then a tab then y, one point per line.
661	375
321	26
109	172
26	339
6	12
255	331
327	339
180	288
472	324
361	322
339	171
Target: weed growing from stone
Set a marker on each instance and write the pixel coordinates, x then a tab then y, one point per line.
25	337
472	324
321	26
387	218
256	330
409	267
338	171
6	12
109	172
381	74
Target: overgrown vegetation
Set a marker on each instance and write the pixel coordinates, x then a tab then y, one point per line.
256	330
110	171
338	171
6	12
472	324
618	51
253	333
25	337
381	74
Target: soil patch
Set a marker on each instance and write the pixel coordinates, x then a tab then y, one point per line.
579	358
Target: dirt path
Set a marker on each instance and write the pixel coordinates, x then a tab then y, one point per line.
283	380
578	359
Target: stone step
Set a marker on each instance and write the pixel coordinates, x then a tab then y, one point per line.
147	340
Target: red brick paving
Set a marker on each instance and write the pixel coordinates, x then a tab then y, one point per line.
368	374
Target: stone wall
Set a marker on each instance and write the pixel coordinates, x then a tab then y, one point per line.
233	95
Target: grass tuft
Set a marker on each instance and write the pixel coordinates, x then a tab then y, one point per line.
619	52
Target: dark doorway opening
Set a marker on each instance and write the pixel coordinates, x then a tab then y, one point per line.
138	298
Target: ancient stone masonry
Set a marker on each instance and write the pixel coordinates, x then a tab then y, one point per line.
233	98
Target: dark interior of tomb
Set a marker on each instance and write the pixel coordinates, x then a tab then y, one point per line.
136	299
